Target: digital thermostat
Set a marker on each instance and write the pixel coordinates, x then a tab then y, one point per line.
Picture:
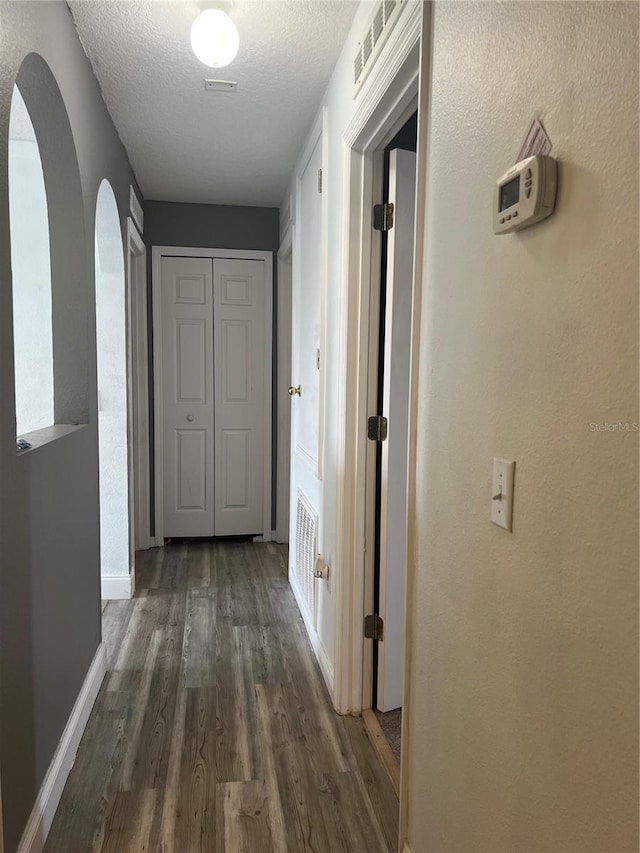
525	194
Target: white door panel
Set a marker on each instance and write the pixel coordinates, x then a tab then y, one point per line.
307	313
393	510
187	370
190	454
239	309
306	336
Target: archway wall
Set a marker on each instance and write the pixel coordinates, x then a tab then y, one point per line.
111	347
49	505
70	297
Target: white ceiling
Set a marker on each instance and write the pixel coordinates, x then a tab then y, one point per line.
186	144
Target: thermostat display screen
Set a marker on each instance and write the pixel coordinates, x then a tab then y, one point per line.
510	193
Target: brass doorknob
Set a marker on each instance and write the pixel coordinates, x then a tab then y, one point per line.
295	389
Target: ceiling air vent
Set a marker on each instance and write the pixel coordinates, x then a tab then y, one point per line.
374	37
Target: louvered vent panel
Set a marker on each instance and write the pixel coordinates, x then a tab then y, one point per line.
367	48
374	37
306	550
378	24
136	209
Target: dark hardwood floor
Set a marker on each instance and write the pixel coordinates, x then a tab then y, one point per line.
213	730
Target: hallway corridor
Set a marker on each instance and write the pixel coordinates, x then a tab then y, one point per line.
213	730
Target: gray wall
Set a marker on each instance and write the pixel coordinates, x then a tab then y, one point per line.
49	519
212	226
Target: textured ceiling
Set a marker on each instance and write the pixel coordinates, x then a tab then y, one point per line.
187	144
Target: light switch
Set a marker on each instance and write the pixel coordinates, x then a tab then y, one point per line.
502	492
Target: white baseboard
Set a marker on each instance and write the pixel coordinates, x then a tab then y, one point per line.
326	667
269	536
39	823
117	586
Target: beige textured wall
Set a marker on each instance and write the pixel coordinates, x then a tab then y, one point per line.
524	681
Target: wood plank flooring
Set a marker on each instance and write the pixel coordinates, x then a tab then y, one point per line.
213	730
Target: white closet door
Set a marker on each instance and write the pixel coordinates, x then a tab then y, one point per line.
239	310
187	371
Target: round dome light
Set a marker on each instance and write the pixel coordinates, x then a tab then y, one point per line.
214	38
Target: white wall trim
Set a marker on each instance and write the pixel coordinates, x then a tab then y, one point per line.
117	586
326	667
286	243
157	253
424	107
136	209
324	275
386	100
303	454
317	645
317	129
138	365
372	113
285	219
283	346
39	823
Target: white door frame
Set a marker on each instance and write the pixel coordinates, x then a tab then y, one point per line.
388	98
283	406
138	367
157	253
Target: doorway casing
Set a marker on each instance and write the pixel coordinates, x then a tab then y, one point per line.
138	368
157	253
399	83
284	378
389	99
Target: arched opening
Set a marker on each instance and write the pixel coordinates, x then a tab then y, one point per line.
48	258
31	274
112	396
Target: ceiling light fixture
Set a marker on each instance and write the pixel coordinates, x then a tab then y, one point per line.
214	38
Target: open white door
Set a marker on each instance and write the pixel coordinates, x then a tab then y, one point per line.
393	506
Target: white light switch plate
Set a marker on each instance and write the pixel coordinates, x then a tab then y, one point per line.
502	492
